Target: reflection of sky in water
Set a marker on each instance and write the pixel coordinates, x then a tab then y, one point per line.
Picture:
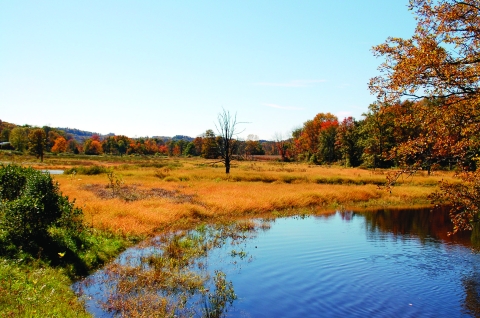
352	265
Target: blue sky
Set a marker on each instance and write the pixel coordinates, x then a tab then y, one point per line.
145	68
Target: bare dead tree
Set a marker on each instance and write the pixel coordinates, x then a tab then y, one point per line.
227	130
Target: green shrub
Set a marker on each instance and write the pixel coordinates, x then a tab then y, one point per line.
12	181
31	203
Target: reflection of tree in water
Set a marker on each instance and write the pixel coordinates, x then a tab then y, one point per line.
325	216
422	223
472	294
476	237
347	215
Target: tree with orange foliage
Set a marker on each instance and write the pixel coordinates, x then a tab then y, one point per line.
163	149
52	135
60	145
93	147
198	143
151	147
177	150
315	142
440	63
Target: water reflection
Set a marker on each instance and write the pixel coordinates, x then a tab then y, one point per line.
389	262
423	224
472	294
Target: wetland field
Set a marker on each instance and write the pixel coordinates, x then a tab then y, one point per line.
132	199
144	195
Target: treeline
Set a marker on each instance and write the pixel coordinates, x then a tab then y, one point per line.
403	133
398	134
37	141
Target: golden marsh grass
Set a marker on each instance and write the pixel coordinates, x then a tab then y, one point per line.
199	190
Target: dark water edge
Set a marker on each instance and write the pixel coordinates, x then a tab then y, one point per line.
388	263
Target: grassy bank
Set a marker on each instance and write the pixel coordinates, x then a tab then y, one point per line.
39	286
45	245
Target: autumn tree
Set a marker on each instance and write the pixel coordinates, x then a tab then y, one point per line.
327	150
151	147
227	130
377	136
72	146
252	147
315	141
162	149
5	129
52	136
109	145
122	143
60	145
36	142
348	141
198	142
19	138
93	147
170	147
440	63
209	145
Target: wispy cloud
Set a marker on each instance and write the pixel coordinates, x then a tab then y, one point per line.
282	107
295	83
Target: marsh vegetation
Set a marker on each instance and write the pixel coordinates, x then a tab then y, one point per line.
122	199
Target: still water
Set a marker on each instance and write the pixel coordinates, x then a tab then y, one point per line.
396	263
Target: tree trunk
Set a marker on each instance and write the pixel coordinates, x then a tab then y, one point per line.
227	167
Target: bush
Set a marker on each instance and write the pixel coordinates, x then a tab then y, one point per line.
31	203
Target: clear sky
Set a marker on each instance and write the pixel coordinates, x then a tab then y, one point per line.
146	68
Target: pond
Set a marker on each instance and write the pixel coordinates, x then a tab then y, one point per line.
53	171
389	263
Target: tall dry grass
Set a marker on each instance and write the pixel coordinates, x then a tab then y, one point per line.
252	188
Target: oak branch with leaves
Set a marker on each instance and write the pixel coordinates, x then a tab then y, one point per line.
439	65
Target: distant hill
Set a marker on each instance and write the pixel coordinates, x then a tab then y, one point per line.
175	138
81	135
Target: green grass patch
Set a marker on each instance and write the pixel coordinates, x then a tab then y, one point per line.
87	170
36	290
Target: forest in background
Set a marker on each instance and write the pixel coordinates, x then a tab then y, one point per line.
381	139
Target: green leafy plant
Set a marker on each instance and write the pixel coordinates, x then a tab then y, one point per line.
31	202
91	170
